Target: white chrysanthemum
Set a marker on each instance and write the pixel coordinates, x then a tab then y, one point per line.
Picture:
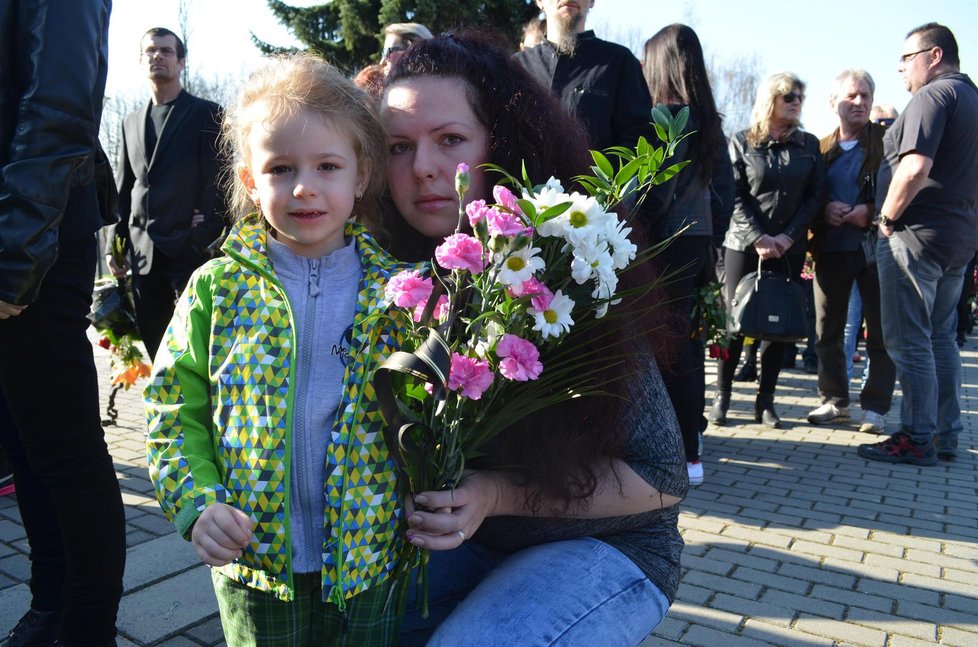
623	249
590	259
519	266
585	222
556	319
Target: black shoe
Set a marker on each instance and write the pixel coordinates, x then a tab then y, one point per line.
961	338
811	366
764	411
718	414
900	448
747	372
35	629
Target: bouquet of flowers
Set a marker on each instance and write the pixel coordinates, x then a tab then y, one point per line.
113	316
487	330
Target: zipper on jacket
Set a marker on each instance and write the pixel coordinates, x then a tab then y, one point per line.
313	532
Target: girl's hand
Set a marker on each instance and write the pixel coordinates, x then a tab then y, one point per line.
220	534
456	514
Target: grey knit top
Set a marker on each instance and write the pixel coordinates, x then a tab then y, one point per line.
651	540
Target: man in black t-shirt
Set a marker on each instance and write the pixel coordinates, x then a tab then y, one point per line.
928	226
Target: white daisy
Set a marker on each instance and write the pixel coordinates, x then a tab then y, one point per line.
556	319
518	266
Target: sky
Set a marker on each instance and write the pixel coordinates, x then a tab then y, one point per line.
815	40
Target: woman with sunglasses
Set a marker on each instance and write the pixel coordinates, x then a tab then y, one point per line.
778	175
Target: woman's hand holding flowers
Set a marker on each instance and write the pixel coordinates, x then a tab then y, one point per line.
442	520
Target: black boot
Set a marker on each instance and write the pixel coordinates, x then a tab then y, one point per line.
764	411
718	414
748	372
35	629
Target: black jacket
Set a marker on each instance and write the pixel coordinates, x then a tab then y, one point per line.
703	208
159	190
53	63
601	84
778	189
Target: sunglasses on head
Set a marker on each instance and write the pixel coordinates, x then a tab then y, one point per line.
791	97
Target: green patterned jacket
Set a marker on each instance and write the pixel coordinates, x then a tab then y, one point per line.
219	407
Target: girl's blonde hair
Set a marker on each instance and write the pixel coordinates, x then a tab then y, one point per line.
284	85
760	115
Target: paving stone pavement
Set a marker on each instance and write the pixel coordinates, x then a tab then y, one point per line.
792	540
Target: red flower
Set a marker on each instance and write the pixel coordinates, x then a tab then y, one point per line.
105	343
714	351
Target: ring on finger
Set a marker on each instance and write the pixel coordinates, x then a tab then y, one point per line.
461	534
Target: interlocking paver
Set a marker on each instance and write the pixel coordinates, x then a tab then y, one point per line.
792	540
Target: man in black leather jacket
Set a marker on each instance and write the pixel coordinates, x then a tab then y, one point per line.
53	67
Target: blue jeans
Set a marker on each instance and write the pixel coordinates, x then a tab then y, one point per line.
919	298
576	592
854	321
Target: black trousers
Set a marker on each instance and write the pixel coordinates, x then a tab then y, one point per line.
736	265
51	430
689	263
835	272
154	296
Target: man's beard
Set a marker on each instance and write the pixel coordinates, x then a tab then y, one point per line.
567	33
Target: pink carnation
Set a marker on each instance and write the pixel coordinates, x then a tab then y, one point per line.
519	359
441	309
472	376
408	288
461	252
540	295
506	224
477	211
505	197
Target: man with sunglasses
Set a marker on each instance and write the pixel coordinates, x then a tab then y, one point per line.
928	227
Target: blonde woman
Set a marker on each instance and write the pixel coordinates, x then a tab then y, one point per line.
778	175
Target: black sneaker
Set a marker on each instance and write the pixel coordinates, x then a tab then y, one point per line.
35	629
900	448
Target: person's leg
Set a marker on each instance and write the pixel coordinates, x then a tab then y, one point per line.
736	265
47	358
154	296
947	357
684	262
877	392
908	287
253	618
831	285
854	321
577	592
452	574
47	554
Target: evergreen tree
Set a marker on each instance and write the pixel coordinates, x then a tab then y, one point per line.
349	33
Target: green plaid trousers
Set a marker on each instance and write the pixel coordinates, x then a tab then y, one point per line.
253	618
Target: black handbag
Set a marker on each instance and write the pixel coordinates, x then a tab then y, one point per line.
768	305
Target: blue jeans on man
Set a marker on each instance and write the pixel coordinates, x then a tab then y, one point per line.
919	298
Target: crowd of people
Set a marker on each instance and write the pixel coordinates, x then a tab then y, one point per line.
265	444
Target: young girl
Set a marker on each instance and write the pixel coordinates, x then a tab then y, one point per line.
265	443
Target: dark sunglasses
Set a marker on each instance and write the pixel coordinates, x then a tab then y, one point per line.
791	97
394	50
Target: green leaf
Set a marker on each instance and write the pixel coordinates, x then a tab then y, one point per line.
661	132
628	171
528	209
554	211
666	175
603	163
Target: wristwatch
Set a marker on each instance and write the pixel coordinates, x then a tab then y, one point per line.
881	219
